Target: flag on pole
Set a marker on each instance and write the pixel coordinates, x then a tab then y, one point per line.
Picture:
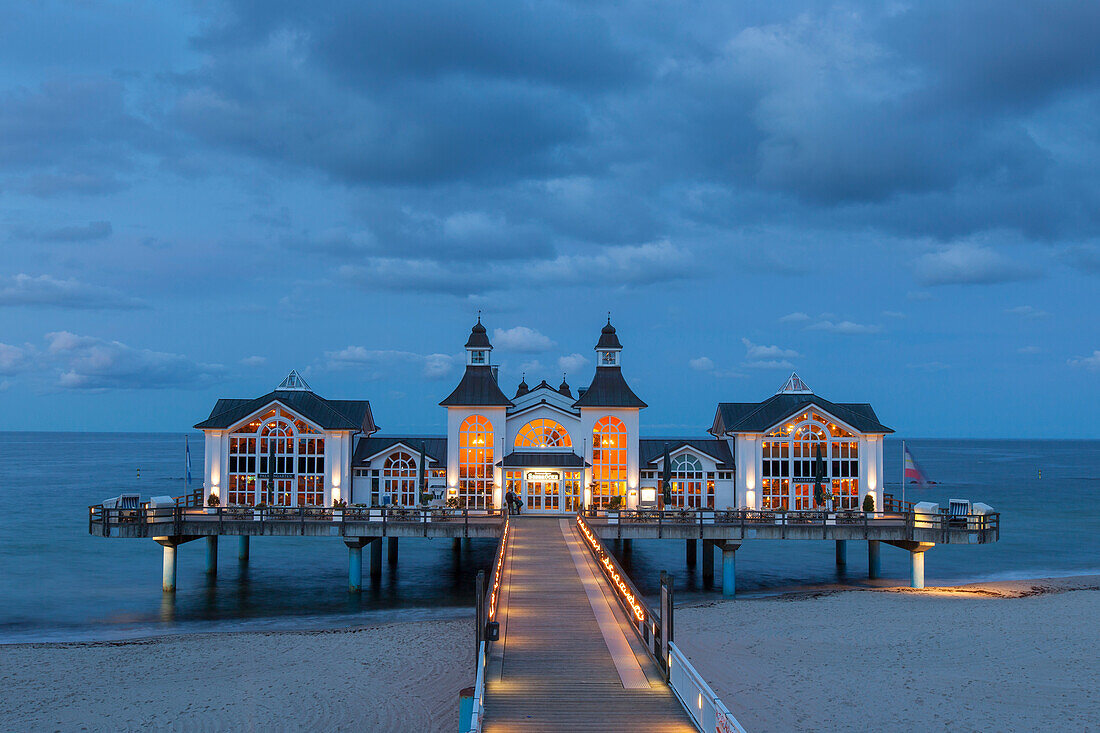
187	457
913	472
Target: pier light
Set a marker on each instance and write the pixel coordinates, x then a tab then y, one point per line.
750	499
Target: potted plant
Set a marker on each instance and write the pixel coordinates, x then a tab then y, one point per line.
869	503
338	507
212	504
258	511
613	505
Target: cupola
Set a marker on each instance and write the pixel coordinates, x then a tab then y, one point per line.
522	389
478	348
564	387
608	347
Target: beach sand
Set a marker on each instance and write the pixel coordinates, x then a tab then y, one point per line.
1023	655
1010	656
394	677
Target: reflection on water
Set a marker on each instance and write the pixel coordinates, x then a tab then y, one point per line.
58	582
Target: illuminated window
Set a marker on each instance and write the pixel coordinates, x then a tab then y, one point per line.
298	466
475	463
609	443
543	433
688	487
399	478
790	457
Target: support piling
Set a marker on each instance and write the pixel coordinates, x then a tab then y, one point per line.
242	548
690	547
391	551
168	575
874	561
841	553
708	561
729	570
212	555
376	558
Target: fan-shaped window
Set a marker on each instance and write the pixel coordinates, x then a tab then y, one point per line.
475	462
790	454
543	433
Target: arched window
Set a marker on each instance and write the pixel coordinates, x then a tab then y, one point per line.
609	441
789	458
297	472
475	462
543	433
686	482
399	478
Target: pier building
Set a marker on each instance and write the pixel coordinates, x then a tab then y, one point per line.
558	451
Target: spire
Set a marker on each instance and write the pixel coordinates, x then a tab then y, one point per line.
795	385
294	383
564	387
522	389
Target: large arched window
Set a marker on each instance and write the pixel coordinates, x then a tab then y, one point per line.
609	441
543	433
399	478
475	462
789	458
297	474
688	481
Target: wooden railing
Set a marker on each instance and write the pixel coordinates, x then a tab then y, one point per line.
102	518
488	598
986	524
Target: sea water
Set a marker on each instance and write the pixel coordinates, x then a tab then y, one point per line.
59	583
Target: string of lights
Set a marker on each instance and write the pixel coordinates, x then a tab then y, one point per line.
611	572
498	570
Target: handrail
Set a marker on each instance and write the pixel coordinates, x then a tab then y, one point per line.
701	702
477	715
701	518
646	623
493	592
144	514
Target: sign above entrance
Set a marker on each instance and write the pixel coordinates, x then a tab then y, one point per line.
543	475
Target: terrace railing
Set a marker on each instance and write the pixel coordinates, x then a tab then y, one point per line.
987	526
159	519
488	599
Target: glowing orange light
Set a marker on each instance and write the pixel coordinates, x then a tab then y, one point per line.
610	572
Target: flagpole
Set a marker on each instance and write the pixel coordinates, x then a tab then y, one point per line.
903	476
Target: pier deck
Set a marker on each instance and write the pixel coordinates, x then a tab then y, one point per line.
565	659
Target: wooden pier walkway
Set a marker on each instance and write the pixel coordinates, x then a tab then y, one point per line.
566	661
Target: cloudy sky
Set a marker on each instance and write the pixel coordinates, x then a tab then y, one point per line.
899	200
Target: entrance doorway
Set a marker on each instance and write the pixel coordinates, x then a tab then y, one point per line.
275	493
542	491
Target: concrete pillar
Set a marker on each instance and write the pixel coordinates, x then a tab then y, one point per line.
690	547
355	567
242	548
916	568
212	555
376	557
168	576
729	570
708	561
456	545
391	551
874	562
841	553
628	546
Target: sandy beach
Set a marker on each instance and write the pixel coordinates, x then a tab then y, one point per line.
1010	656
1022	655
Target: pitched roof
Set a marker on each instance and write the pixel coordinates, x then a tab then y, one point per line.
651	450
328	414
757	417
609	389
541	459
435	446
478	388
478	338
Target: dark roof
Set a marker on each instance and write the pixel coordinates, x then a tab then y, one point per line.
329	414
478	388
539	459
435	446
564	388
651	450
756	417
609	389
478	338
522	389
608	338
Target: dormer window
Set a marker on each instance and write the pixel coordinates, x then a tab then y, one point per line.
477	357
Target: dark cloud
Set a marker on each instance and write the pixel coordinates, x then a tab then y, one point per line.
45	290
70	233
89	363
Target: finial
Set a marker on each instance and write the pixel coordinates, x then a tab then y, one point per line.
479	315
609	318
